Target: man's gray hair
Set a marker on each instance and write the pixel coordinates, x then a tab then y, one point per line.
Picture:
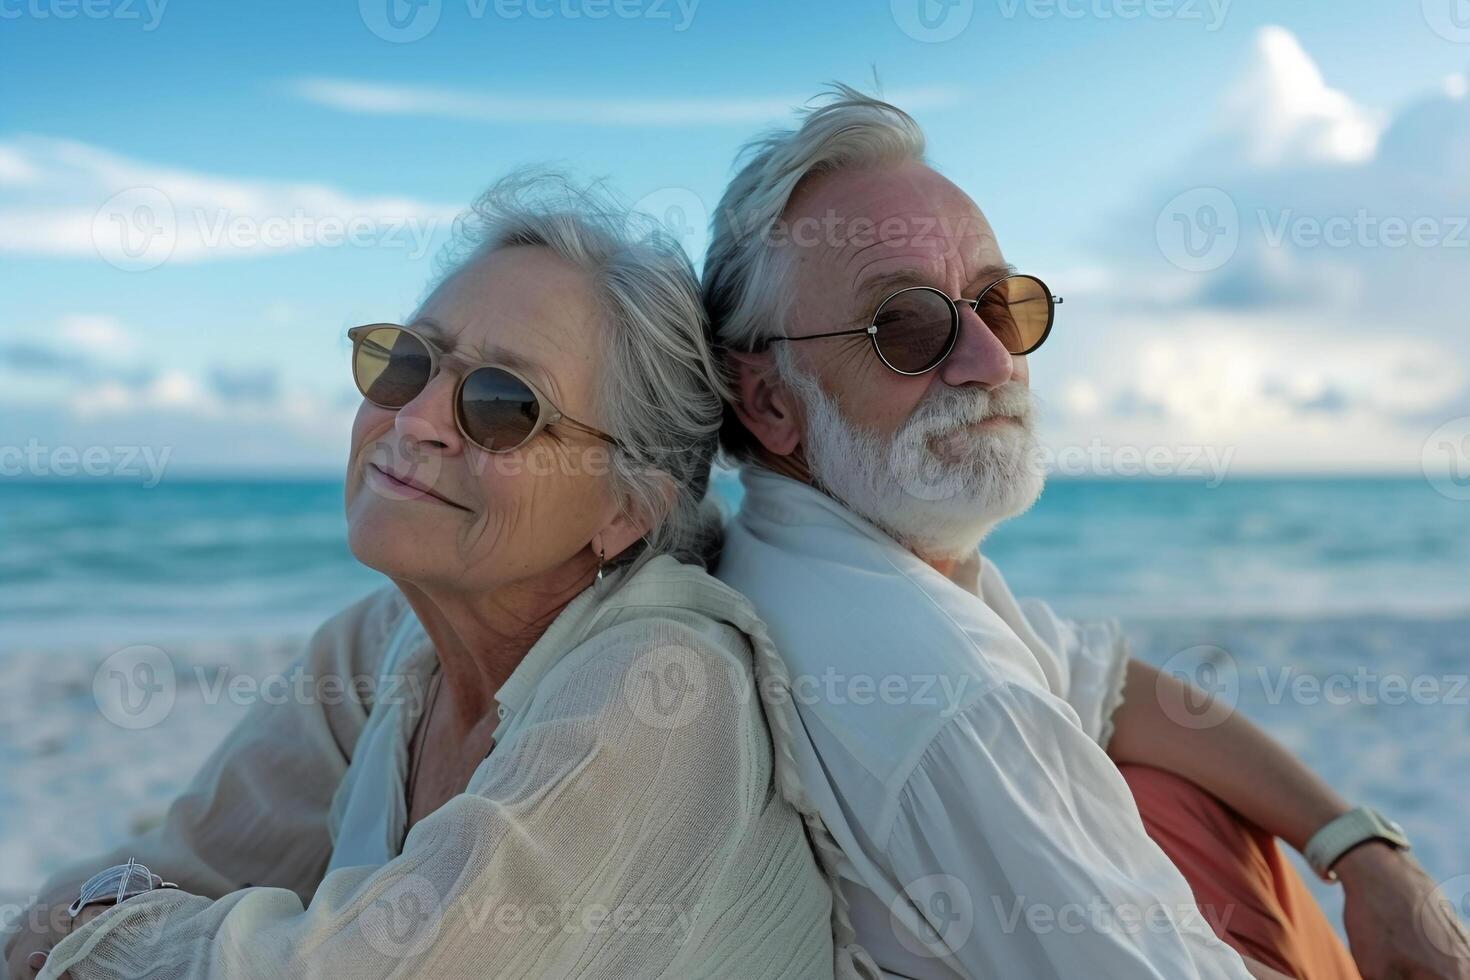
661	387
746	268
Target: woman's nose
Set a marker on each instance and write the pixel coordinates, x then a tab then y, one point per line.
427	421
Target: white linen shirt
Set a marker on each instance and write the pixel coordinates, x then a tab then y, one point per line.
629	822
954	746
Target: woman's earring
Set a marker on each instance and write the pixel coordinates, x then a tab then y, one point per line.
600	554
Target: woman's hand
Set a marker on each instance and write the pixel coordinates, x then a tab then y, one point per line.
42	926
27	959
1397	927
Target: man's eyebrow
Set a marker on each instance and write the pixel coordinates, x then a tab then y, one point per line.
486	353
874	290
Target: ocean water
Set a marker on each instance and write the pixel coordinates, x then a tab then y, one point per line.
1318	603
102	561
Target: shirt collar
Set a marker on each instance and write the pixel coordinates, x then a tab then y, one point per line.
660	581
784	500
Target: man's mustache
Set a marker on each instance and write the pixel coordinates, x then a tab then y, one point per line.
953	408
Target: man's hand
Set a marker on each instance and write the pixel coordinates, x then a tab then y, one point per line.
1396	926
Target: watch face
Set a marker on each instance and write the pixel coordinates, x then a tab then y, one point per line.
1393	832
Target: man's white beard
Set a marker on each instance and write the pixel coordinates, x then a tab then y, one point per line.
937	505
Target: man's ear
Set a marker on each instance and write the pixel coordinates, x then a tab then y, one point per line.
764	405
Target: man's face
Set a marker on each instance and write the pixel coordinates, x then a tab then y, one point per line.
950	450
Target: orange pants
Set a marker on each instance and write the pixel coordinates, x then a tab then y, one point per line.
1253	899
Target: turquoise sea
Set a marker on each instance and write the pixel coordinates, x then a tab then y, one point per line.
1336	611
93	560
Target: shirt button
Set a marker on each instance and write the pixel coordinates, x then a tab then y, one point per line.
500	710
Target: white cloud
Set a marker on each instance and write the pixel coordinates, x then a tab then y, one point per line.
1281	393
85	201
1324	336
14	168
1282	112
447	103
93	382
99	336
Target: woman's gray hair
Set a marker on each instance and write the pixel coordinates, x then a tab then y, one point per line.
661	387
745	270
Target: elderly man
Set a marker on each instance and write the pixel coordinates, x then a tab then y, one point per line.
1003	793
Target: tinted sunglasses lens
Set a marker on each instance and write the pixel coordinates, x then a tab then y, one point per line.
1018	310
916	328
496	409
391	366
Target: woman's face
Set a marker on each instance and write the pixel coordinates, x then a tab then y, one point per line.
425	505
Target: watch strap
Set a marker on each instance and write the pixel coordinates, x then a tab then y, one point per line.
1345	833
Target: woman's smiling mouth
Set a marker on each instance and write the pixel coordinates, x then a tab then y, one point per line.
403	487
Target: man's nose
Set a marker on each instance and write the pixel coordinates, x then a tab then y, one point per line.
978	356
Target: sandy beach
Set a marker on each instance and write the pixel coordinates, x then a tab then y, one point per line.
76	780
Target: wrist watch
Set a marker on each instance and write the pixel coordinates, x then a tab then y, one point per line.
1347	832
115	884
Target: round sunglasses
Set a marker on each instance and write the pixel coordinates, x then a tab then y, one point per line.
915	328
494	407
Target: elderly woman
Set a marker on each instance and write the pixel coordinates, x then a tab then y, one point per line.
539	753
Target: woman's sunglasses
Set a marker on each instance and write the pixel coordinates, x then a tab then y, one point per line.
494	407
915	328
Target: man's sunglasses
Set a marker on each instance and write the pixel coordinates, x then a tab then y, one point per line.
494	407
915	328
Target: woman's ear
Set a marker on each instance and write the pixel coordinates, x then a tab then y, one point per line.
636	517
763	404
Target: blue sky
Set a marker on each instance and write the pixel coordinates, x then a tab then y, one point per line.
1077	125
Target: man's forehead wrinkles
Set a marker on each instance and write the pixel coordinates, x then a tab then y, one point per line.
861	273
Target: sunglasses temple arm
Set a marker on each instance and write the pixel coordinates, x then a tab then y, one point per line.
565	420
816	336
